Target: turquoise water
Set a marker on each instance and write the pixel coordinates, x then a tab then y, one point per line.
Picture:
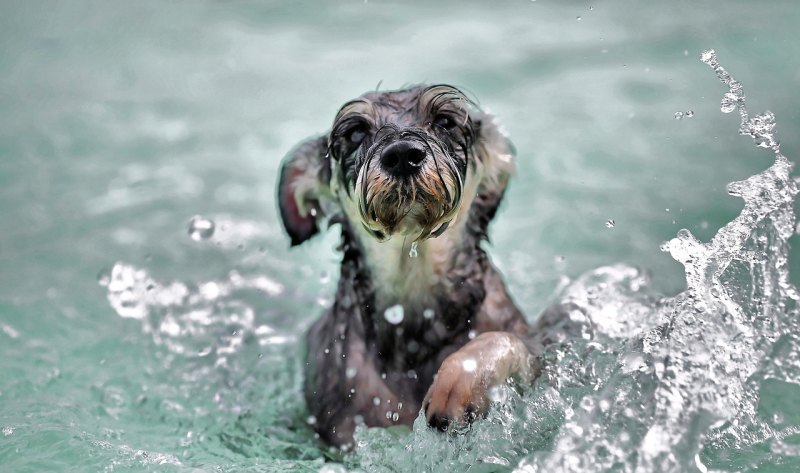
127	345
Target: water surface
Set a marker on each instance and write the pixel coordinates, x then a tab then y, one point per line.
119	122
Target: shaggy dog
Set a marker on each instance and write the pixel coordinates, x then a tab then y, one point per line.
422	319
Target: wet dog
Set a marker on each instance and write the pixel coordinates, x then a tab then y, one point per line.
422	319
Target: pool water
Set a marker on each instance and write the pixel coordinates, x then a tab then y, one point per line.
151	313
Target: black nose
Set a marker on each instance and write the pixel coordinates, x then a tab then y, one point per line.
403	158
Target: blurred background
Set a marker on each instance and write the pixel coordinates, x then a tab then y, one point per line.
126	343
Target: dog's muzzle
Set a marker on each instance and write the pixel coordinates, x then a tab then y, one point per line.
409	185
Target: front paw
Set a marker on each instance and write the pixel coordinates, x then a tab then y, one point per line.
459	391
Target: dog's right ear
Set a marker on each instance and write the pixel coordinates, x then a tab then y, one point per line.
303	188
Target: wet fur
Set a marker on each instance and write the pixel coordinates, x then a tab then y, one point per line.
354	354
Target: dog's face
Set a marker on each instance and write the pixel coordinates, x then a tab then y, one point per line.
402	162
401	159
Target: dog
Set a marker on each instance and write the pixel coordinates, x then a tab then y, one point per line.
421	318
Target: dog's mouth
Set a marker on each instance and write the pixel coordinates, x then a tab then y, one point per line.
408	188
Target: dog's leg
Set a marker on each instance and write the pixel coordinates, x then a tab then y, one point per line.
459	392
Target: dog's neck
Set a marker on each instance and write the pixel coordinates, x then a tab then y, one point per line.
439	291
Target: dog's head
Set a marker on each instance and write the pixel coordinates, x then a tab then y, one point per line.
406	162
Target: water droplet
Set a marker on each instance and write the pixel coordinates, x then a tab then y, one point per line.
728	103
428	313
394	314
678	115
610	223
708	56
201	228
413	251
469	365
351	372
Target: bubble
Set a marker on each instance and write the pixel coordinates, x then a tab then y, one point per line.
587	403
395	416
376	401
578	18
351	372
201	228
472	334
412	253
688	113
678	115
428	313
394	314
324	277
312	420
8	430
610	223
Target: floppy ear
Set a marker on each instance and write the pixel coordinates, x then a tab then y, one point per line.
495	154
303	188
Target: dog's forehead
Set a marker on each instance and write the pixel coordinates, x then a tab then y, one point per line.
407	106
400	107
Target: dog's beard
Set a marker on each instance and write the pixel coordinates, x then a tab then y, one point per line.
419	206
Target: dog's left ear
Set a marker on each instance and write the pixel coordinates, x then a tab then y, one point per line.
304	188
495	153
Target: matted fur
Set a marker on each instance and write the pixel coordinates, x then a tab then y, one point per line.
448	291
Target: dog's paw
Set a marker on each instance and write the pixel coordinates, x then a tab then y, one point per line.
459	393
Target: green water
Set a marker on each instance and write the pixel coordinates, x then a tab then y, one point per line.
119	121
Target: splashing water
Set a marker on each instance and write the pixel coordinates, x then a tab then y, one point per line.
637	382
643	383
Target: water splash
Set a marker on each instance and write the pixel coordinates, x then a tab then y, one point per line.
195	320
643	383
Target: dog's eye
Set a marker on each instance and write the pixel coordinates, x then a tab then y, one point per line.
444	121
356	135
